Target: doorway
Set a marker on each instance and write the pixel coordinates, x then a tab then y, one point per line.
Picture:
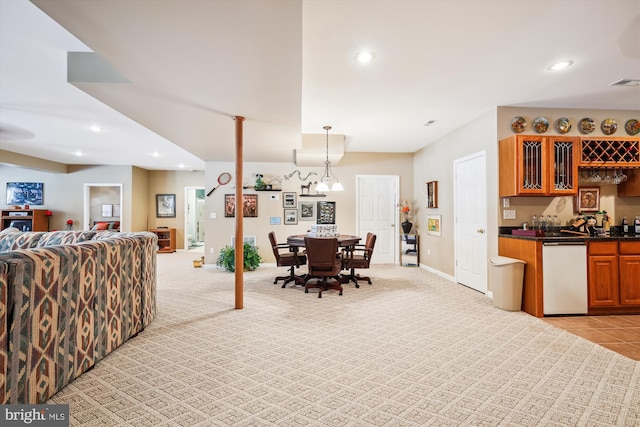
98	195
194	219
377	196
470	211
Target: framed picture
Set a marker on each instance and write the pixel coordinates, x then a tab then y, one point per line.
107	211
588	199
432	194
116	211
291	216
307	211
289	200
165	205
246	239
326	213
25	193
434	224
249	205
274	220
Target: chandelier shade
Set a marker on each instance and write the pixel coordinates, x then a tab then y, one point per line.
328	182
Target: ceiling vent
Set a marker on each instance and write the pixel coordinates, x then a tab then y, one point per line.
314	150
626	82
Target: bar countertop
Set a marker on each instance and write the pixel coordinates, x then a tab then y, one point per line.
567	237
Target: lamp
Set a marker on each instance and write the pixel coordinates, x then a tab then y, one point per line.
328	180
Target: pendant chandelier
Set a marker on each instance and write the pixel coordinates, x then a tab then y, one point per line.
328	182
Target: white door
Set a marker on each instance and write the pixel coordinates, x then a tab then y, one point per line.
470	212
376	212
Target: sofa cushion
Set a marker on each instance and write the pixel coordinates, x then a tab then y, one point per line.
22	240
55	238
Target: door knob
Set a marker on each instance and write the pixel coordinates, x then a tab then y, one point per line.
480	230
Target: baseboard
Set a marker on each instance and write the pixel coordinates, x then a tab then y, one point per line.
438	272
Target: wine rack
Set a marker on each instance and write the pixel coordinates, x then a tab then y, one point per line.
610	152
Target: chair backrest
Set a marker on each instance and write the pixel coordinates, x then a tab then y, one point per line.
369	244
321	256
274	245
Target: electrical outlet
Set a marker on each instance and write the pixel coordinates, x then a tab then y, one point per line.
509	214
506	202
210	250
212	215
274	197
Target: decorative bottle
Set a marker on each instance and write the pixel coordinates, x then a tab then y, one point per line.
556	224
636	225
625	225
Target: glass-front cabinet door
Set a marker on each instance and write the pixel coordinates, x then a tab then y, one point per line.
563	173
532	155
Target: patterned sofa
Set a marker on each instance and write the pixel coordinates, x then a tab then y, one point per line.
68	299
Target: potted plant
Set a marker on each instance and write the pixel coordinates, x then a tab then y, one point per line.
227	258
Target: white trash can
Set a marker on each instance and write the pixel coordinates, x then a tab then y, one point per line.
506	276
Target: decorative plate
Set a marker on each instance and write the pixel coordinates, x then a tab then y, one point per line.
587	125
541	124
563	125
518	124
632	127
609	126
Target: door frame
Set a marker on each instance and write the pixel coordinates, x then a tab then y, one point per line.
86	211
186	214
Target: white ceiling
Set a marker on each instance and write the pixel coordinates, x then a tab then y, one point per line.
188	66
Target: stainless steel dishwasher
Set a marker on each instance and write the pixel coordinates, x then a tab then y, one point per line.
564	276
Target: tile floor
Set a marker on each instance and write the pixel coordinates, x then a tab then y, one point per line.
618	333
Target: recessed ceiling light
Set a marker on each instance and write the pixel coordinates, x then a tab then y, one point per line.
561	65
181	165
365	57
155	154
96	128
78	153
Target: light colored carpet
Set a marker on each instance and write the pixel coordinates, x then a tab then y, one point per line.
412	349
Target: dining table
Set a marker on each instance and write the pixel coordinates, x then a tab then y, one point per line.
344	240
347	241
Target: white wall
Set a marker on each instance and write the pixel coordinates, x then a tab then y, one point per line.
64	192
435	163
220	230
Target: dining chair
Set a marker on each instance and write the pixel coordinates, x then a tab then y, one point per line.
325	262
359	256
286	256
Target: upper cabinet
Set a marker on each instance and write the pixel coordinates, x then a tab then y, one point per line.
610	152
534	165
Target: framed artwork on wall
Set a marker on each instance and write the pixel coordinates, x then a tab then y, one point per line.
291	216
588	199
246	239
307	211
25	193
434	225
165	205
326	213
289	200
249	205
107	211
432	194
